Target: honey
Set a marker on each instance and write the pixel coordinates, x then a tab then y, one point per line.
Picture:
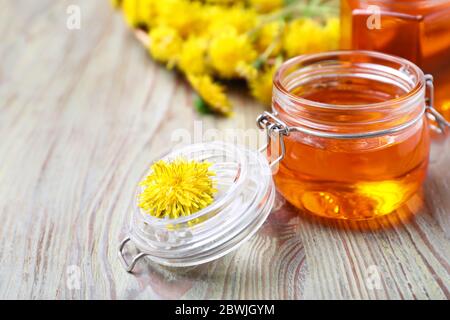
418	30
356	163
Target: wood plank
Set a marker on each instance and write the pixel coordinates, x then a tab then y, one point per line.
83	112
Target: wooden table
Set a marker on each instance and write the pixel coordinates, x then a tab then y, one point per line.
82	113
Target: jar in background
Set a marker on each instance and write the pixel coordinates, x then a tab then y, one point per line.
358	141
417	30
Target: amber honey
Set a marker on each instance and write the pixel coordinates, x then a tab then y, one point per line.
345	94
418	30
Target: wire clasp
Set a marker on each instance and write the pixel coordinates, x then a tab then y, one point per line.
432	113
128	266
273	126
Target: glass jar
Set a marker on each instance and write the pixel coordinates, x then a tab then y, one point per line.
418	30
358	141
245	197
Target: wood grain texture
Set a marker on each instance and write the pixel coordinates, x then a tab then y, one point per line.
83	112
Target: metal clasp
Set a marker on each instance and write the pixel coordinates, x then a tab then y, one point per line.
128	266
432	113
273	125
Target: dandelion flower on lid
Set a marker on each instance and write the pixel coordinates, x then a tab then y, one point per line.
177	188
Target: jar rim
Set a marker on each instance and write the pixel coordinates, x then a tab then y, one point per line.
409	3
411	94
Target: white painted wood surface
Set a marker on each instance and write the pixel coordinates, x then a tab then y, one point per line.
82	113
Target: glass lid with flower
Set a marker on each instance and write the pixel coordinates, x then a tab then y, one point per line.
199	203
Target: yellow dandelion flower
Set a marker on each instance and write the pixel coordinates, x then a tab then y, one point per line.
240	18
261	86
217	19
181	15
177	188
302	36
332	33
211	92
223	2
246	70
266	5
227	50
137	12
165	44
192	57
270	35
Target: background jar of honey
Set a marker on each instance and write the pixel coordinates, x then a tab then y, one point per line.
418	30
358	141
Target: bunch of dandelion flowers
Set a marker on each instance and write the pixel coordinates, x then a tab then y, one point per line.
212	42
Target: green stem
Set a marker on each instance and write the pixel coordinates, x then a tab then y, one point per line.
313	8
266	54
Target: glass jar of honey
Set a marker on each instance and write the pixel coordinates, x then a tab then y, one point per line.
418	30
355	138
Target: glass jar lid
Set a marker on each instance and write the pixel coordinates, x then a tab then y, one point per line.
244	198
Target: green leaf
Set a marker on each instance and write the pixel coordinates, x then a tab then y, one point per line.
258	63
201	106
289	2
